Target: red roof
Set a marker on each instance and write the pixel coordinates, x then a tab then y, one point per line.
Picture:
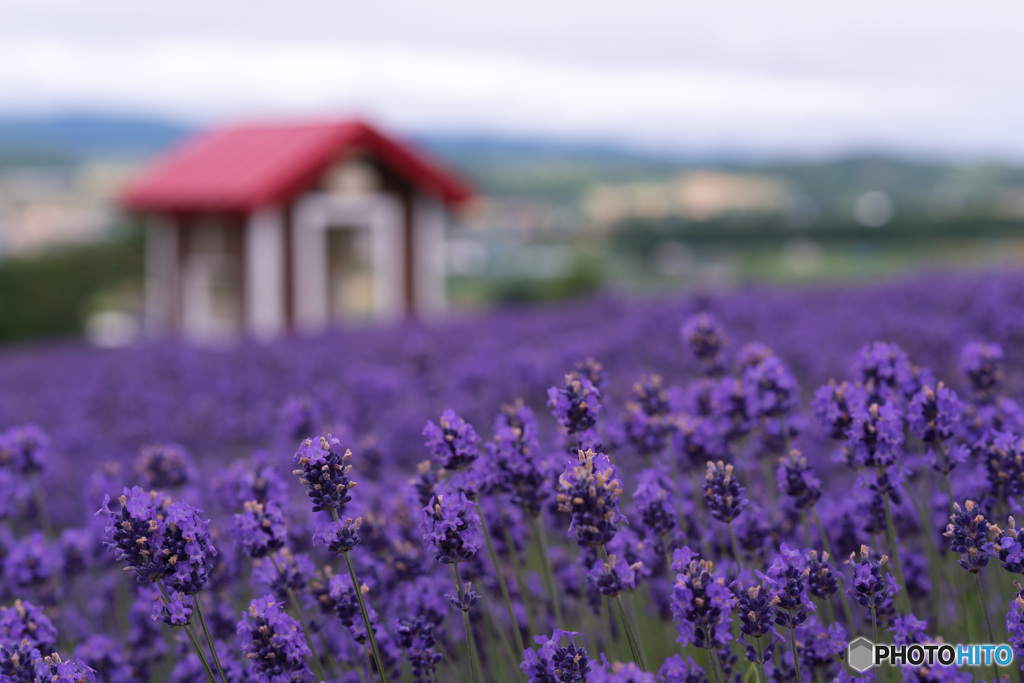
241	168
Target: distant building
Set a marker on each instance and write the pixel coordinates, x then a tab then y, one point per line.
264	228
694	195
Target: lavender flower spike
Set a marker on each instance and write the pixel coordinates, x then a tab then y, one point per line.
589	490
273	643
323	468
454	443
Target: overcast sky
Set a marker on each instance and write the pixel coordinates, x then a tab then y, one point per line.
763	76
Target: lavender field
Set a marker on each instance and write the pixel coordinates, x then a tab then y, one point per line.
720	488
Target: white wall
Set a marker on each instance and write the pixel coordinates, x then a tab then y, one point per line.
161	274
314	215
264	272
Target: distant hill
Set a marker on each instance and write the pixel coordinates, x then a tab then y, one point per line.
81	136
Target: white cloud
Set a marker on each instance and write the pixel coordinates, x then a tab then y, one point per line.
790	75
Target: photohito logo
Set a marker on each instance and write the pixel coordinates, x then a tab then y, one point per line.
862	654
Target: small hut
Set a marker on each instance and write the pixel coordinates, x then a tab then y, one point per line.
266	228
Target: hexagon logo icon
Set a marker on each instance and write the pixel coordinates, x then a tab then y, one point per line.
861	654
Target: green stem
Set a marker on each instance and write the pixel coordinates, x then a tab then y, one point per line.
366	618
890	531
517	568
634	646
318	667
513	622
988	622
549	578
881	675
796	656
713	659
191	637
847	612
465	620
209	640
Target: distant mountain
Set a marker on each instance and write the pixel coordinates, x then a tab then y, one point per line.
86	135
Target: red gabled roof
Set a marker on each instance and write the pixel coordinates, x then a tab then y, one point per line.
244	167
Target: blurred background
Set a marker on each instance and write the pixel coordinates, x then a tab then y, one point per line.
641	147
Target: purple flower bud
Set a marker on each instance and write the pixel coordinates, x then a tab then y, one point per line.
453	443
655	501
875	437
164	466
612	576
724	496
770	388
260	529
982	364
1009	546
934	415
870	587
53	668
796	480
25	449
757	619
24	621
834	405
554	663
577	405
273	643
675	670
967	532
451	526
324	470
702	604
339	537
177	612
703	335
589	491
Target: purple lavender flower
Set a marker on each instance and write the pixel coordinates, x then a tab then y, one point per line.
135	533
675	670
177	612
834	405
576	406
23	621
885	371
822	579
796	480
589	491
821	649
696	440
786	579
1015	626
416	637
967	532
869	587
273	643
770	388
187	547
260	529
298	416
296	570
453	443
19	662
339	537
1009	546
594	371
875	437
724	496
757	620
164	466
703	335
619	672
650	396
451	526
325	472
655	501
554	663
702	604
730	410
982	364
53	668
934	415
25	449
614	575
1004	464
513	453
